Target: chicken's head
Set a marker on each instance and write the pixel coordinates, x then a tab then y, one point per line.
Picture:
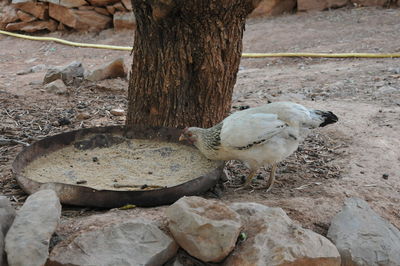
189	135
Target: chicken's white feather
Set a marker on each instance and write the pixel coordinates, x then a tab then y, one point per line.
259	136
242	130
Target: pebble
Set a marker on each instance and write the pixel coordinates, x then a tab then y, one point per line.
117	112
83	116
63	121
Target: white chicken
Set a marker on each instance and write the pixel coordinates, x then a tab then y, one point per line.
259	136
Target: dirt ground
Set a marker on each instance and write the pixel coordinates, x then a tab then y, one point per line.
358	156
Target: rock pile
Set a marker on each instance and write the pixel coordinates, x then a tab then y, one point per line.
197	232
95	15
51	15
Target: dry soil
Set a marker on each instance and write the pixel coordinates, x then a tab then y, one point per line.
357	157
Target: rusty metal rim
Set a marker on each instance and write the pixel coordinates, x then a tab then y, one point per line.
86	196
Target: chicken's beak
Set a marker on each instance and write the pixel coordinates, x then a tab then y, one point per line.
182	137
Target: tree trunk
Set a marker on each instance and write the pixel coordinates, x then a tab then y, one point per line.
185	59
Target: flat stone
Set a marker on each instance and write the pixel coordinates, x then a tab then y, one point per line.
363	237
127	4
27	241
119	7
61	27
308	5
124	20
136	242
33	26
117	112
22	1
67	3
110	9
102	2
370	2
83	116
8	14
385	90
70	74
56	87
274	239
37	9
273	8
206	229
79	19
113	69
25	17
86	8
102	10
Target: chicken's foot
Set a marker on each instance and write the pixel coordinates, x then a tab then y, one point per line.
249	178
270	181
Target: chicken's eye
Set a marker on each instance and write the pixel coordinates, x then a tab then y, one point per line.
190	134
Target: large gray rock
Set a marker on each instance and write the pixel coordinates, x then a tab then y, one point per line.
206	229
27	241
2	255
7	214
71	74
274	239
137	242
363	237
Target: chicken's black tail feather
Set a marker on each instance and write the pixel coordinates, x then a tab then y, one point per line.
329	118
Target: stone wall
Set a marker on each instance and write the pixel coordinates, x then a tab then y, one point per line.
96	15
82	15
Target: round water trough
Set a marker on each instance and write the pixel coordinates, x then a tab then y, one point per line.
84	194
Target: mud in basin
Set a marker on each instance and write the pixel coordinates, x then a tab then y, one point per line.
112	166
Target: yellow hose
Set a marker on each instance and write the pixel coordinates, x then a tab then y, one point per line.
87	45
248	55
337	55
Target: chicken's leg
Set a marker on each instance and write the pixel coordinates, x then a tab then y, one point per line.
249	178
271	179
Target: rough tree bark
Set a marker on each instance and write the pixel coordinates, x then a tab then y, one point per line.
185	59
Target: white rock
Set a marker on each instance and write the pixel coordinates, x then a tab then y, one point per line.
27	241
274	239
117	112
363	237
33	69
57	87
206	229
386	90
70	74
113	69
7	214
137	242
